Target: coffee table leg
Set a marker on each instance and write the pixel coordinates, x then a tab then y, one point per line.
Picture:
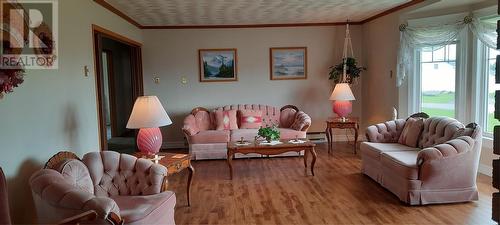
190	181
314	160
230	163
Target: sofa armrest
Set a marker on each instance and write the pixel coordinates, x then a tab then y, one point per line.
302	121
387	132
157	178
50	186
190	128
451	148
449	165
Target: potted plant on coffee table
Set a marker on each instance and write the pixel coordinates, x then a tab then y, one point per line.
271	133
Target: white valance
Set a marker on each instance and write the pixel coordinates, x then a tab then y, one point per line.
438	35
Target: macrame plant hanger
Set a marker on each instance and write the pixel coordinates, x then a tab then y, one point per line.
347	46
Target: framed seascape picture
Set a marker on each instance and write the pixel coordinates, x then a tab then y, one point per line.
218	65
288	63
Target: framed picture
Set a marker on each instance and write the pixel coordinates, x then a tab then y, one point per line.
288	63
218	65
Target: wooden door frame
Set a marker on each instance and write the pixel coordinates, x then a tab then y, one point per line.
137	76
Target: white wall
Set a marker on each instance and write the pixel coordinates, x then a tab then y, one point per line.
55	110
380	45
173	54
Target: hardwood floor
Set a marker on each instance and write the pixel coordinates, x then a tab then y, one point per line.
276	191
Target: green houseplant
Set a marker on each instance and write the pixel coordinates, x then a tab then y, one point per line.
269	133
352	71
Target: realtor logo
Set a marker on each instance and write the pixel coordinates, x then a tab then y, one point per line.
29	31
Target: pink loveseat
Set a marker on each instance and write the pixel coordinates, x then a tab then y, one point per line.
205	142
442	169
107	182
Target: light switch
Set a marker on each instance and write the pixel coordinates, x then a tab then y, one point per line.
86	71
184	80
156	80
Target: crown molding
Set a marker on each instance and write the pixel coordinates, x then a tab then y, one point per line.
114	10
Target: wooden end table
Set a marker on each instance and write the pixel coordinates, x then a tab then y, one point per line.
336	122
256	147
175	163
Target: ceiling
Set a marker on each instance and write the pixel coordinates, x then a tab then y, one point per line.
447	4
249	12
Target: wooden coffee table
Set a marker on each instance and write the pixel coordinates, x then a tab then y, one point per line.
256	147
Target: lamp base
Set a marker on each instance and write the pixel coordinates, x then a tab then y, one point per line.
342	108
149	140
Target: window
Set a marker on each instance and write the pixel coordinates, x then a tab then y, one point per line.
491	88
437	80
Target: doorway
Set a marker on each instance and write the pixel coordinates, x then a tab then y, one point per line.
118	67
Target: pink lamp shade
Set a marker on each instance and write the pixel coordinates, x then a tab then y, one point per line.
342	95
147	115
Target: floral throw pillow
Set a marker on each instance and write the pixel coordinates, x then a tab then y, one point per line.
226	120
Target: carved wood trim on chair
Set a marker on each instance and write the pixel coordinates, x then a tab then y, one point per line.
198	109
59	157
289	107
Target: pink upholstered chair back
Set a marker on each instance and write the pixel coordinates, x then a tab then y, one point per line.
114	174
4	200
438	130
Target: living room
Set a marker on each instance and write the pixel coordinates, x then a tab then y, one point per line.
61	108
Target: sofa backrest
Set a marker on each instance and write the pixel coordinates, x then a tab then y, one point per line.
270	114
114	174
438	130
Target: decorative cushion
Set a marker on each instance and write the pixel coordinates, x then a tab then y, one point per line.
226	120
250	119
301	120
411	132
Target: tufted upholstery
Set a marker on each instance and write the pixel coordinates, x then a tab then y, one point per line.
94	182
448	149
442	170
113	174
387	132
438	130
199	127
270	114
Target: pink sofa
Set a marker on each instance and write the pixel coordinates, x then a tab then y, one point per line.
108	183
205	142
442	169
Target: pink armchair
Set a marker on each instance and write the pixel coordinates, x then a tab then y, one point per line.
205	142
107	182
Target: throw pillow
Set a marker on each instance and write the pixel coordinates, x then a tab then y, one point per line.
301	119
226	120
250	119
411	132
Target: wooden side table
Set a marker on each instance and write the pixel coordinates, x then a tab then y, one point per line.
335	122
175	163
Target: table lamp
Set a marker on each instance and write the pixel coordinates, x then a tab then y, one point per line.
148	115
342	95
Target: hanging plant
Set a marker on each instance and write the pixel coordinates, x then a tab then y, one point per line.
352	71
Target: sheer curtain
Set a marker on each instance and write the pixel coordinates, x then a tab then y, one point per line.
437	35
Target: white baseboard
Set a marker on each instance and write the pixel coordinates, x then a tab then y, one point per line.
486	170
173	144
